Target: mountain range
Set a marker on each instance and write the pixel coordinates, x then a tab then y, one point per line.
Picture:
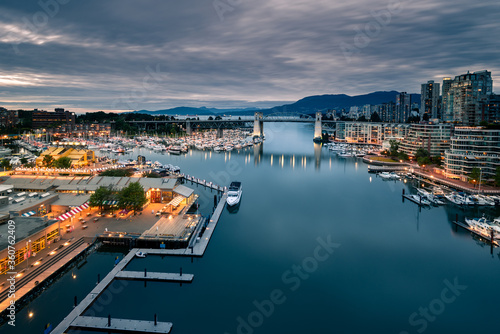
307	105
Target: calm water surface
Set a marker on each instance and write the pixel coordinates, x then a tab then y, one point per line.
392	268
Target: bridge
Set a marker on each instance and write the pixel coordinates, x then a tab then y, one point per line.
258	123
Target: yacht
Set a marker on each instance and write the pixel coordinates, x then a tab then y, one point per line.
234	193
419	200
175	150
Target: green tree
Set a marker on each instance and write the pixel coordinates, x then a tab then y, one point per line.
474	175
101	195
120	172
6	164
132	197
47	160
362	118
375	117
393	151
23	161
62	162
151	175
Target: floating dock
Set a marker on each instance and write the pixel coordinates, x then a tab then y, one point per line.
486	237
122	325
154	276
415	201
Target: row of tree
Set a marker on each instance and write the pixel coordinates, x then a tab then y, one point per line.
130	198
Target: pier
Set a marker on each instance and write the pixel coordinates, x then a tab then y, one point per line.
122	325
477	233
196	248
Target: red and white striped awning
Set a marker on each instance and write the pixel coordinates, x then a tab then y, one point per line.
73	212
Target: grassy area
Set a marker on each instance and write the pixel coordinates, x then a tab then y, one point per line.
383	159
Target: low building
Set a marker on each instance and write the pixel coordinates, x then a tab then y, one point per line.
434	137
473	147
79	157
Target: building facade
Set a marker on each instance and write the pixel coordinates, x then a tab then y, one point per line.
473	147
433	137
44	119
429	100
462	103
403	107
368	132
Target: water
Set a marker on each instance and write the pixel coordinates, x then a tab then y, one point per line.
387	273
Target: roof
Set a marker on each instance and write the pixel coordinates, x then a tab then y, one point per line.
71	200
183	191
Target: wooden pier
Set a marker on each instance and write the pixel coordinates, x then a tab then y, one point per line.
204	183
122	325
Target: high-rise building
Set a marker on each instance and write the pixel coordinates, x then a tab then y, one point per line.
429	100
432	137
462	102
446	112
490	109
403	107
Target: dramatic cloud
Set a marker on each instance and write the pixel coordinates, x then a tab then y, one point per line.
123	55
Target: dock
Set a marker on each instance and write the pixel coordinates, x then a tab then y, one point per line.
197	247
477	233
122	325
415	201
380	169
154	276
204	183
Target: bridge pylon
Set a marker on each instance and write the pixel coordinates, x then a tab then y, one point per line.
258	125
318	126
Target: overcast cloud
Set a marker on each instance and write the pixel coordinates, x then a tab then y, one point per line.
122	55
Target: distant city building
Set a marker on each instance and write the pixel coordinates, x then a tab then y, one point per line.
446	109
462	103
44	119
403	107
387	112
490	108
8	118
473	147
429	100
431	136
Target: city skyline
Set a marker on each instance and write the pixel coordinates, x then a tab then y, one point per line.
228	54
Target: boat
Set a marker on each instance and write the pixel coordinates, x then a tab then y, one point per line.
175	150
234	193
140	254
418	199
454	198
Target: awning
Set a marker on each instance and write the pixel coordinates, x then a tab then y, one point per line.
29	214
73	212
176	201
109	202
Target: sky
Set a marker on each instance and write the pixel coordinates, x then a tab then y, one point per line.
118	55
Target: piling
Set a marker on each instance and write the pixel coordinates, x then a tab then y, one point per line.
181	271
155	320
75	302
215	200
403	191
98	278
145	272
109	320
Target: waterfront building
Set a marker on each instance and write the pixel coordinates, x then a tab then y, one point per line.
368	132
473	147
431	136
462	103
79	156
403	107
429	100
44	119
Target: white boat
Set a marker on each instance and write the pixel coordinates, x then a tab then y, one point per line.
454	198
419	199
140	254
234	193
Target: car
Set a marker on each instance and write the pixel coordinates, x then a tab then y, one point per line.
100	214
158	213
96	219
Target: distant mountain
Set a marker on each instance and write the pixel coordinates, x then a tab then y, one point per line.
307	105
312	104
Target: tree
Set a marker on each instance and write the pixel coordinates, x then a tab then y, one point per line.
62	162
218	118
210	118
47	160
393	151
132	197
151	175
375	117
120	172
6	164
362	118
474	175
23	161
425	117
101	195
423	156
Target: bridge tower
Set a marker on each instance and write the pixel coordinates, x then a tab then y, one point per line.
189	129
258	125
317	126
